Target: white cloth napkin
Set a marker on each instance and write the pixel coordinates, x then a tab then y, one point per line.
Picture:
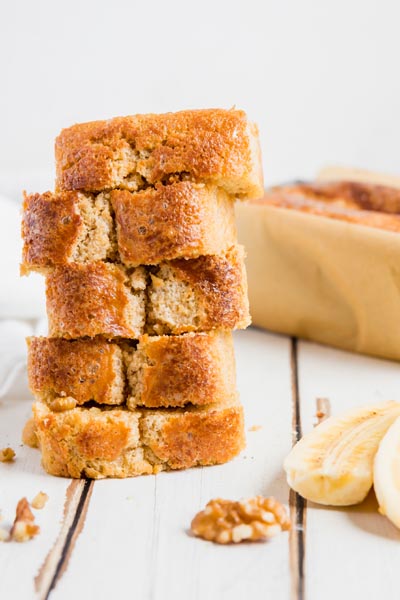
22	299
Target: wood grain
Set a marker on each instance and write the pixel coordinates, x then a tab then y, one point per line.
56	562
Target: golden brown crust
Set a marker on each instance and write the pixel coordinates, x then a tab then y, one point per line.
89	442
212	436
83	369
181	220
217	146
219	288
364	203
93	299
120	443
50	228
194	368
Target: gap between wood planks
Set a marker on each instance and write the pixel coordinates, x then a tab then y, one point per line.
297	504
56	562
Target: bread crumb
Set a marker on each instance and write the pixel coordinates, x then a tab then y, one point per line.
39	500
29	437
23	528
255	428
7	455
4	535
227	521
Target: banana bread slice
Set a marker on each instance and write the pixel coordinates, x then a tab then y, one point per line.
199	294
115	442
81	370
95	299
174	370
214	146
166	371
181	220
209	292
65	228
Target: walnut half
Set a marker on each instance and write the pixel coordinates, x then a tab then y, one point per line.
7	455
24	527
226	521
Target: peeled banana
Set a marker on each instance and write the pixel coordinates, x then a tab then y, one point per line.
333	464
387	474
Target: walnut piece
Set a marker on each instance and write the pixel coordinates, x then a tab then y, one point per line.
226	521
62	403
39	500
23	528
7	455
29	437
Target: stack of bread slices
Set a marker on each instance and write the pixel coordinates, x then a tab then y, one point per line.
144	283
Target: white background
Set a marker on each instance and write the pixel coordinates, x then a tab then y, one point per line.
321	78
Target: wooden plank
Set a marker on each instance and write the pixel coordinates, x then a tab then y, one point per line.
351	553
136	540
20	563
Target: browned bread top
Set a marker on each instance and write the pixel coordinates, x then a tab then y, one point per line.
215	145
365	203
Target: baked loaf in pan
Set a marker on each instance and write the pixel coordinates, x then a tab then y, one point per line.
181	220
212	146
166	371
323	263
209	292
99	442
363	203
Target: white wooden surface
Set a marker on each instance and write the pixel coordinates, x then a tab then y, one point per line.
129	539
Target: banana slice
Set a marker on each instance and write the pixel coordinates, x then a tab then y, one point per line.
333	464
387	474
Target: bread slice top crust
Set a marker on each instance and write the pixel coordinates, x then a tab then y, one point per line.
215	146
376	206
98	443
